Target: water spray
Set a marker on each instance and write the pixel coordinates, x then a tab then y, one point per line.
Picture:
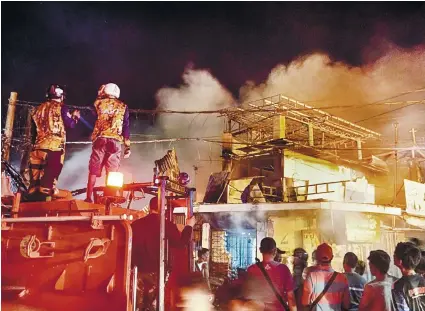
87	124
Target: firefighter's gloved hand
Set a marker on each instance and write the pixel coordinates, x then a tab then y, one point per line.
127	152
76	114
191	221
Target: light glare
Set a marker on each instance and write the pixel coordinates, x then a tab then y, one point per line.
115	179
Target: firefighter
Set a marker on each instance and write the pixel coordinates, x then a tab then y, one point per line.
111	129
146	248
49	123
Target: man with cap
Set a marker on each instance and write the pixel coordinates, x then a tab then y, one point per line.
258	290
279	255
337	297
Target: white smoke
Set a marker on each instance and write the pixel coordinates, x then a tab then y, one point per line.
199	91
318	81
394	74
75	170
314	79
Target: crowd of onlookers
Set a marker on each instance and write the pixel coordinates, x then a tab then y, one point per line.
270	285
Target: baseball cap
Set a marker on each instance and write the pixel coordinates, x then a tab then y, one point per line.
324	253
267	245
279	251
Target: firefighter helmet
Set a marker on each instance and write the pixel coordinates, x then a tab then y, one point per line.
112	89
55	91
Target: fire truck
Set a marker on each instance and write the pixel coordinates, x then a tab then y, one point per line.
67	254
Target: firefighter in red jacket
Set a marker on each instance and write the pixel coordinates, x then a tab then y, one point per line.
50	121
146	248
112	128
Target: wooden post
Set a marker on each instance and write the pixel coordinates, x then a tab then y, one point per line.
226	151
310	135
8	130
284	186
415	172
279	127
396	161
359	150
413	131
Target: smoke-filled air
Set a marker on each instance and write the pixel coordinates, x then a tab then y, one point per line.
199	91
318	81
313	79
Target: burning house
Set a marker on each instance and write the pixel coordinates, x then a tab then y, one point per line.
301	176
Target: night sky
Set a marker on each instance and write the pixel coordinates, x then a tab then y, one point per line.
145	46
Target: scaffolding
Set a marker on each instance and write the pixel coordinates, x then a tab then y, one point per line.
280	122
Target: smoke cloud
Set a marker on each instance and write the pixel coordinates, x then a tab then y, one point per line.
199	91
314	79
318	81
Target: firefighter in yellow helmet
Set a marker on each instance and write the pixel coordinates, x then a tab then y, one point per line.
50	121
112	128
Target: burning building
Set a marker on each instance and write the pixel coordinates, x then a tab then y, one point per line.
301	176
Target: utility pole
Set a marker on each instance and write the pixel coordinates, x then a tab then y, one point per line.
413	131
396	160
415	173
8	130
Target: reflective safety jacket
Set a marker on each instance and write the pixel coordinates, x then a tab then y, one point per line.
51	119
112	120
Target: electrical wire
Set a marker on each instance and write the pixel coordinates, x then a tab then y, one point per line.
379	102
227	110
387	112
298	144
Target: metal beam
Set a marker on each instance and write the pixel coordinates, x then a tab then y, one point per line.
359	150
161	275
299	112
301	206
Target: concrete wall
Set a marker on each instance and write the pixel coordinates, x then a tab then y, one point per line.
300	170
308	230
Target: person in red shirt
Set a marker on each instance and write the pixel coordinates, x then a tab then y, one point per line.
145	254
259	291
337	297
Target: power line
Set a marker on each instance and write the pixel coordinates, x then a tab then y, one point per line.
387	112
379	102
392	97
230	109
165	140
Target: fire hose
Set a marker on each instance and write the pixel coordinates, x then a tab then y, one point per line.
17	178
